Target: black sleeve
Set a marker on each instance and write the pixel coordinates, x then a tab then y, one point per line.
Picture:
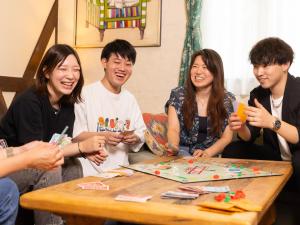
255	131
27	116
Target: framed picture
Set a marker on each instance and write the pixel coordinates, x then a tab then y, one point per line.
101	21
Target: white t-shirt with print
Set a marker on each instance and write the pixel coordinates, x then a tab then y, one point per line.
102	110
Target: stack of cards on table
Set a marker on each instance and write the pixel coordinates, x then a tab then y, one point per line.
116	173
204	189
133	198
241	205
98	185
179	194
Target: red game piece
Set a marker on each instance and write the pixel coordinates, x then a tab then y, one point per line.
191	161
216	176
220	197
240	194
255	169
157	172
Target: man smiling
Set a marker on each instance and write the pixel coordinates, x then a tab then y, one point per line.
109	110
274	106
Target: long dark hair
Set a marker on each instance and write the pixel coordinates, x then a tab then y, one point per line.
56	55
215	107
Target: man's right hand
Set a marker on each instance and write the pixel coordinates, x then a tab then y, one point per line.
113	138
44	156
235	122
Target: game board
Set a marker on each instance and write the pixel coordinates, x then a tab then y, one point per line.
189	170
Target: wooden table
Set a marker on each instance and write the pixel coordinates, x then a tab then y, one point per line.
92	207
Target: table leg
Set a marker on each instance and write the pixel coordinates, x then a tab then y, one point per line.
269	217
81	220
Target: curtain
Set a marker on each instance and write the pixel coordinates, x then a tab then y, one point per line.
192	37
232	27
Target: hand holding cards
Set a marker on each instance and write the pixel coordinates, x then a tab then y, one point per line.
127	132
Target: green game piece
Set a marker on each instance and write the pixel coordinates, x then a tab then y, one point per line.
227	198
239	174
242	167
233	165
162	163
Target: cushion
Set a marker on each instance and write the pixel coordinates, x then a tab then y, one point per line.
156	133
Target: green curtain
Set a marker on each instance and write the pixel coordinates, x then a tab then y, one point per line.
192	36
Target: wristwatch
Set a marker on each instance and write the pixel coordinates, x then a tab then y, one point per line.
276	124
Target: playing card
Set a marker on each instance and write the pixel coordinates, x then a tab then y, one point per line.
127	132
133	198
220	189
3	143
178	194
64	141
193	189
98	185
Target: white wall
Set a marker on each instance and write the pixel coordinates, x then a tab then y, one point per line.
156	69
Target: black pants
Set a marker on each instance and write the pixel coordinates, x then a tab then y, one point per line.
245	150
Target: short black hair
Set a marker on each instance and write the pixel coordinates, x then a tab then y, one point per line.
56	55
119	47
270	51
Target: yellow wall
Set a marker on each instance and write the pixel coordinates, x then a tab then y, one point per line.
156	69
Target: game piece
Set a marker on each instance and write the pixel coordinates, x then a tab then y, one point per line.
191	161
133	198
216	176
220	197
157	172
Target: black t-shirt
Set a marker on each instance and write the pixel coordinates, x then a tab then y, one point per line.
202	134
31	117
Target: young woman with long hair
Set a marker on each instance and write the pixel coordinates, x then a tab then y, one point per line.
198	112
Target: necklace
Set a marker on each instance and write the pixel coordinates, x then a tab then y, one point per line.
276	103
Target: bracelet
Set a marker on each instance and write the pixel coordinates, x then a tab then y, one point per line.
80	152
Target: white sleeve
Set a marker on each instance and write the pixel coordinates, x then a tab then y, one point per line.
138	125
80	123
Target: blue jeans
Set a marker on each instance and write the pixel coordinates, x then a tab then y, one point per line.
33	179
184	151
9	201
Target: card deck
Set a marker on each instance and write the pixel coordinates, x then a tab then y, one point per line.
133	198
98	185
179	194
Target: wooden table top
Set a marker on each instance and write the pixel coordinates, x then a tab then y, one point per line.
68	198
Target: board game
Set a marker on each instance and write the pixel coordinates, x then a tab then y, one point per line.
188	170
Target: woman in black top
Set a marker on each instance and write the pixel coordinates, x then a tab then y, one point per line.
45	109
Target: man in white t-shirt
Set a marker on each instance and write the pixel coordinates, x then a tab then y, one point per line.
109	110
274	106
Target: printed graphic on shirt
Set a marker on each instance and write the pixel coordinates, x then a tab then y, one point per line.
112	124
